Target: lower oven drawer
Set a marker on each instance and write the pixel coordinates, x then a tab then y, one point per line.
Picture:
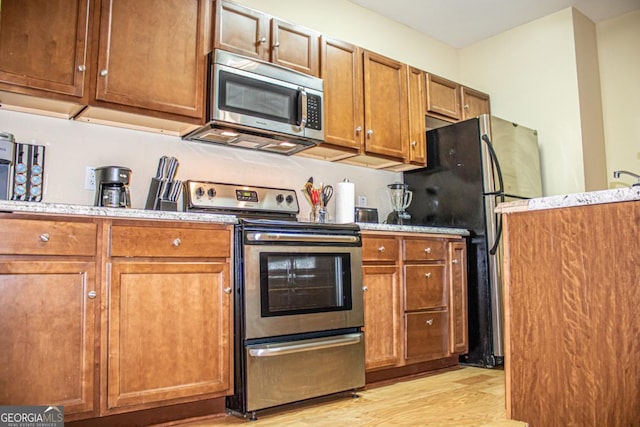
285	372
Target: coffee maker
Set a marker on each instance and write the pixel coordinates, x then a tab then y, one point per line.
401	198
6	164
112	187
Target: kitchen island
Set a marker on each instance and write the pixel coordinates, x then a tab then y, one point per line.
571	295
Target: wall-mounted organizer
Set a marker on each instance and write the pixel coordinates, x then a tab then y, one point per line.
28	172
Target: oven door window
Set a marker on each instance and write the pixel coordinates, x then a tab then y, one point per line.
297	283
254	97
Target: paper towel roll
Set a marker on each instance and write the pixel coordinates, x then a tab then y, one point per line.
345	202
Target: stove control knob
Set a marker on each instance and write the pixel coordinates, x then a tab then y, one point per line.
289	199
199	191
211	192
279	198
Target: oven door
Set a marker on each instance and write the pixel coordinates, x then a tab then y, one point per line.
300	288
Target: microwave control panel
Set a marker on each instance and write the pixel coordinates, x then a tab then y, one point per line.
314	112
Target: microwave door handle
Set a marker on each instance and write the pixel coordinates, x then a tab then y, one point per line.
302	99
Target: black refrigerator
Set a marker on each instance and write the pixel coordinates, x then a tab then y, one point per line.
471	167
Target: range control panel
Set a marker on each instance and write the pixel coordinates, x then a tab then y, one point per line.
221	197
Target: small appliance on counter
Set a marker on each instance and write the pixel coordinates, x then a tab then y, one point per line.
28	172
6	164
401	198
366	214
112	187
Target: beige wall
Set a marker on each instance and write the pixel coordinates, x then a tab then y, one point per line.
530	73
619	53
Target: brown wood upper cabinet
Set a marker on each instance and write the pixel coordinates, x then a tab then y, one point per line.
417	137
443	98
474	103
43	49
149	59
255	34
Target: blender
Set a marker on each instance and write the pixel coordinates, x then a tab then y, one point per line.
401	198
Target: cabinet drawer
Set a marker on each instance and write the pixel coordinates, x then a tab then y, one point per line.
427	335
425	287
42	237
132	241
379	249
424	250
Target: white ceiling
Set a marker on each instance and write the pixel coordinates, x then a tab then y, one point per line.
460	23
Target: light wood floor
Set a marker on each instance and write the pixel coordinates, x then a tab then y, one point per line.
464	397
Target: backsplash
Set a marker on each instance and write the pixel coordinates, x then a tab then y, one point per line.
72	146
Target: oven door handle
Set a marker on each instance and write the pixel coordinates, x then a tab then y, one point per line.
299	237
299	348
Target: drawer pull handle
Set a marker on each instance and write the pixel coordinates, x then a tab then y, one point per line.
454	261
227	290
381	249
429	322
92	294
427	250
45	237
176	242
427	275
365	288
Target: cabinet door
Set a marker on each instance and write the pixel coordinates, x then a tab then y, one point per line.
385	107
458	298
152	55
241	30
48	334
474	103
382	316
43	44
427	335
417	127
295	47
169	332
443	97
342	76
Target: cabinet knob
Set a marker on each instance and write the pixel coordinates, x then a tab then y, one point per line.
103	73
369	133
176	242
227	290
427	250
276	44
414	143
82	68
427	275
365	288
44	237
92	294
381	249
454	261
262	40
466	106
429	322
358	130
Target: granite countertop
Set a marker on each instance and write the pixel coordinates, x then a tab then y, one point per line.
571	200
84	210
412	229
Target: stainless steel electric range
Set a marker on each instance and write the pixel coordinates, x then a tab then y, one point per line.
298	298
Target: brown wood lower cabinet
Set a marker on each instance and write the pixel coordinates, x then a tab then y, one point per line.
49	308
415	301
112	316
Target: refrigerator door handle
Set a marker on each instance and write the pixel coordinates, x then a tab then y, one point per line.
499	192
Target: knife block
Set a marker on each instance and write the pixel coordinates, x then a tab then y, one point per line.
155	200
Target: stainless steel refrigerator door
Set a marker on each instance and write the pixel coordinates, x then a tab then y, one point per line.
495	284
519	156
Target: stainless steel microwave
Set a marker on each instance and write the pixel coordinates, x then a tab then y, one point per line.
258	105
